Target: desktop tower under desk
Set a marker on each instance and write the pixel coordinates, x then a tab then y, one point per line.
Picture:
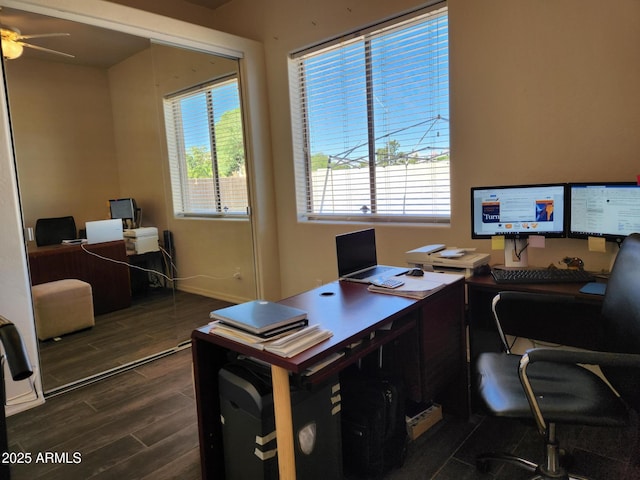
433	327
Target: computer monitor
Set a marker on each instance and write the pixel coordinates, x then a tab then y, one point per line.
516	212
124	209
609	210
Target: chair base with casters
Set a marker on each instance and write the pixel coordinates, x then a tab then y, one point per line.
556	385
552	467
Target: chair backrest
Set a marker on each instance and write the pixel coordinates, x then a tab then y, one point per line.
621	314
51	231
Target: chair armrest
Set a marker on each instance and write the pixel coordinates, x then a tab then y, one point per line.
509	299
558	355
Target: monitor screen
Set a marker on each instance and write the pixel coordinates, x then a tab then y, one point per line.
609	210
518	211
124	208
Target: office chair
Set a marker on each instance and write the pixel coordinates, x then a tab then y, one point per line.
51	231
549	385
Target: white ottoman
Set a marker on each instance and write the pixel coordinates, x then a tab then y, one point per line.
63	306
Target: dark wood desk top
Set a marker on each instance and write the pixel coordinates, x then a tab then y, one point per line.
64	248
486	282
348	309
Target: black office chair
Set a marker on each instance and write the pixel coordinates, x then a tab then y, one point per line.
548	385
51	231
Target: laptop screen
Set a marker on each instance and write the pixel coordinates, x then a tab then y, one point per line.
356	251
104	231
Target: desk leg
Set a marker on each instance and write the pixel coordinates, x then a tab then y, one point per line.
284	423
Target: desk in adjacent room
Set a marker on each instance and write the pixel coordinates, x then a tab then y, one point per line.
434	328
109	280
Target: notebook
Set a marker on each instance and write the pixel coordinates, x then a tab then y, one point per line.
104	230
261	317
357	258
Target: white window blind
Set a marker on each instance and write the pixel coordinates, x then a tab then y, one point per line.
371	124
206	150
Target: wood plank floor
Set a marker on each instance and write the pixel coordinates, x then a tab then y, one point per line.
141	424
156	322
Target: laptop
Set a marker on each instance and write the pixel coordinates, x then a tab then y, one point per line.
104	230
357	259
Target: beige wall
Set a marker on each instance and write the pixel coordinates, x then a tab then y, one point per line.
541	91
102	137
211	250
63	131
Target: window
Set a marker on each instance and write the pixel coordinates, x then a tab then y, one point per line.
371	124
206	150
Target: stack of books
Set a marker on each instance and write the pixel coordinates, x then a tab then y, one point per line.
269	326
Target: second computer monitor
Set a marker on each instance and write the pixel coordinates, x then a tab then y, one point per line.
124	209
609	210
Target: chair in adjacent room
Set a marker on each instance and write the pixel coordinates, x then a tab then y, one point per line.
51	231
547	384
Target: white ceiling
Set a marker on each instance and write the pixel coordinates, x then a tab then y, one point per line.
91	46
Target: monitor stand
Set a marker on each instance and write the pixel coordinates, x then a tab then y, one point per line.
516	253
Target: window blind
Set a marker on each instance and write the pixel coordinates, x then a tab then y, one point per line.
206	150
371	124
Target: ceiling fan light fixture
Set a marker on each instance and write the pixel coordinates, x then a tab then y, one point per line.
11	50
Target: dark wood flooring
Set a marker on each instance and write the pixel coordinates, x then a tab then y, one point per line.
156	322
141	424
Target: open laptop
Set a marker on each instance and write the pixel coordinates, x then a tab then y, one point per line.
357	259
104	230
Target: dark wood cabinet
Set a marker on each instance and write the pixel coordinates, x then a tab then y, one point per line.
103	265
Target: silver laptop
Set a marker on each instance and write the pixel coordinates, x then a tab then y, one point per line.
357	258
104	230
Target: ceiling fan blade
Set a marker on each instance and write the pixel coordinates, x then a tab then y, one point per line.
43	35
48	50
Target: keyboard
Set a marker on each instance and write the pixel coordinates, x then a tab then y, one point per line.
542	275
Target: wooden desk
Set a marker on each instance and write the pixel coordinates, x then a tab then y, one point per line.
577	325
436	340
109	281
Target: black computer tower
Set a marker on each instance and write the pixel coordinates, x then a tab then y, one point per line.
248	425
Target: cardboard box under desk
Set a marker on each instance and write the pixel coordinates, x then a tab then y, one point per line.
422	422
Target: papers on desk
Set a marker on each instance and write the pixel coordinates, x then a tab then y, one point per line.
287	344
419	287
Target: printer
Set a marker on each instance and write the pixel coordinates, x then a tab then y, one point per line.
141	240
439	258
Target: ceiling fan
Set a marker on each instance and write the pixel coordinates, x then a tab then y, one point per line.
13	44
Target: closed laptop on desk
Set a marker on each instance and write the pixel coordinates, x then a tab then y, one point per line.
260	316
357	258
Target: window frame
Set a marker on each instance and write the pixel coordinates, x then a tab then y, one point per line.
177	156
301	125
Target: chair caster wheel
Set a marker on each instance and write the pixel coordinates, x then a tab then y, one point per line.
482	466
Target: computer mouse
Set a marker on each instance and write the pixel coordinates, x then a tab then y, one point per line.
415	272
482	270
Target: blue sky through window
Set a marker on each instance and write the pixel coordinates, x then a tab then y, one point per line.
410	93
194	112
